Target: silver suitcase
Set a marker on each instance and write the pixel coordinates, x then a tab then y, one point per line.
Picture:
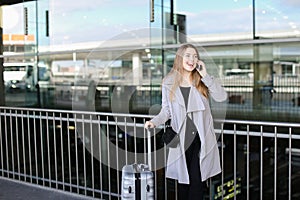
138	180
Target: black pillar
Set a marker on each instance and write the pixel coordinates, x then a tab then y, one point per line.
2	88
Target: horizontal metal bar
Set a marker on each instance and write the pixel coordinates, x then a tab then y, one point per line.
246	122
264	123
258	134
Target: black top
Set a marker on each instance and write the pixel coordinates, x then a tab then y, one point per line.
191	130
185	93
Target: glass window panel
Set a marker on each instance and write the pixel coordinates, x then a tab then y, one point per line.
94	20
277	18
24	30
216	19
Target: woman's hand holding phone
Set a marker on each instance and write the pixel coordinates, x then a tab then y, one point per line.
200	67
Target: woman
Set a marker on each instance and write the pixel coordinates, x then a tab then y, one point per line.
185	100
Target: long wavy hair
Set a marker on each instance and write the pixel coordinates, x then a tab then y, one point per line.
177	72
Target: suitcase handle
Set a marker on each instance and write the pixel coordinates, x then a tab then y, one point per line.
140	167
149	147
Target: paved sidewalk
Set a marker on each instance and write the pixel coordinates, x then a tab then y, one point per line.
14	190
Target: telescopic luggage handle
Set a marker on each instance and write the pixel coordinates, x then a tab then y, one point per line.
149	147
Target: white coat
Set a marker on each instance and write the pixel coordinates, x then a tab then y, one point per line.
176	111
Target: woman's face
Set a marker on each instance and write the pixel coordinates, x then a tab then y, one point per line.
190	59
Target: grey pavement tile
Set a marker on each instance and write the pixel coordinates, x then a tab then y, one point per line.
14	190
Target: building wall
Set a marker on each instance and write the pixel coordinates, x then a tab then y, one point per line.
71	45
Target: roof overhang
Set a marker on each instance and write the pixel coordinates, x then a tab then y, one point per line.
11	2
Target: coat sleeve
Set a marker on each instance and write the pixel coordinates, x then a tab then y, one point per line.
216	90
164	113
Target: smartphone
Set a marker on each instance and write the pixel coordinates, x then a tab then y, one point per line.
199	67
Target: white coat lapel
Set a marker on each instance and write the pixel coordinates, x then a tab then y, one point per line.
195	102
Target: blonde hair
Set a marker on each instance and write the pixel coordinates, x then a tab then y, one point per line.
177	72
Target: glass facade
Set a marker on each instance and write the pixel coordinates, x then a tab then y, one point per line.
112	55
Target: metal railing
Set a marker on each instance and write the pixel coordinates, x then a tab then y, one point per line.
84	152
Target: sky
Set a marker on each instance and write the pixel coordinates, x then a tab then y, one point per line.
98	20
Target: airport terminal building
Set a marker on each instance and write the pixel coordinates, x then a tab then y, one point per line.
66	61
256	58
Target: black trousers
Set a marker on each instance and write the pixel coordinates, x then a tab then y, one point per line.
194	190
